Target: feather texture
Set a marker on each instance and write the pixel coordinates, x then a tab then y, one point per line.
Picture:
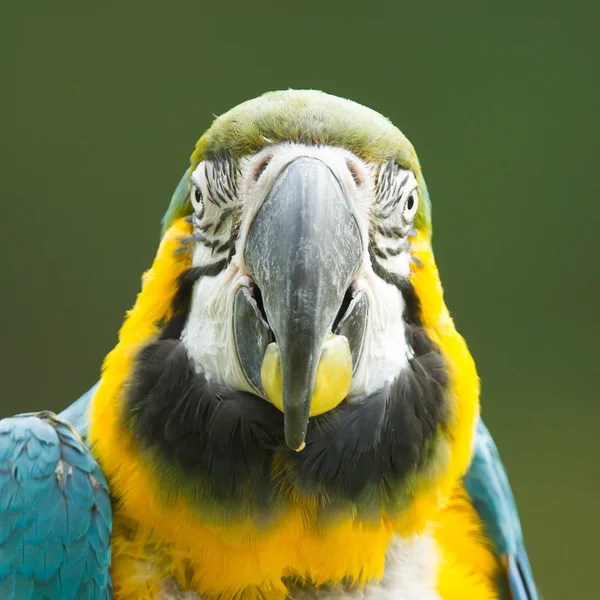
488	487
55	513
228	444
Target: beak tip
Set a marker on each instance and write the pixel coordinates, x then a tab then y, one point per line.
295	440
300	447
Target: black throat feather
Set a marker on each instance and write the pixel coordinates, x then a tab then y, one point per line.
225	450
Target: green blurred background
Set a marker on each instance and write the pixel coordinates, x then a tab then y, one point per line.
502	102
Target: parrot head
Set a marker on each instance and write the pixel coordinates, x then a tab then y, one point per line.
291	344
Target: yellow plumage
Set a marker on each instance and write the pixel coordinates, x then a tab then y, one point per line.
469	568
157	536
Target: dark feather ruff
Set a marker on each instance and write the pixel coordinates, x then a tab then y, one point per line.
227	443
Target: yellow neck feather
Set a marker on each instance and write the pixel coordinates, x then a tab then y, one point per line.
168	535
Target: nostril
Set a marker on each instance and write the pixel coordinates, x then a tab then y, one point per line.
354	172
260	169
343	308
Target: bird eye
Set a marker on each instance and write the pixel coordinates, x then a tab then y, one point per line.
196	198
410	207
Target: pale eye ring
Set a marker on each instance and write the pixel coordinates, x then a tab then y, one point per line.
411	206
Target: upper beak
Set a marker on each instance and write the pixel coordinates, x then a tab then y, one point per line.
303	248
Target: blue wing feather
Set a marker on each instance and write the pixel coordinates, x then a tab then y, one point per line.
55	515
488	487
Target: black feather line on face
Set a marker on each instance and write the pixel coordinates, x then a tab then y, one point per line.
182	299
412	306
225	443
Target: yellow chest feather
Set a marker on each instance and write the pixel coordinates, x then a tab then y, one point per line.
457	564
220	564
158	538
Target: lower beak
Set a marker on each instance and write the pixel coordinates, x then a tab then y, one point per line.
303	248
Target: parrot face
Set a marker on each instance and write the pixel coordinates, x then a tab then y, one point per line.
294	234
287	356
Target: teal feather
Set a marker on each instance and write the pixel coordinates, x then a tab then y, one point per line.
180	204
55	517
488	487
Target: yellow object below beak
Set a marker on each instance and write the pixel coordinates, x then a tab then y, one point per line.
332	381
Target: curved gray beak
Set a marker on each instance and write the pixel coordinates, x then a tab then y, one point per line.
303	248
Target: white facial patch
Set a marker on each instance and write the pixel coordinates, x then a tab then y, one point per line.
385	351
209	333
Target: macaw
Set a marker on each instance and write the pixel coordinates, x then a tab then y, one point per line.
289	411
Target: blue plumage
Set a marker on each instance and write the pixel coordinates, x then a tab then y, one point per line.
55	514
488	487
